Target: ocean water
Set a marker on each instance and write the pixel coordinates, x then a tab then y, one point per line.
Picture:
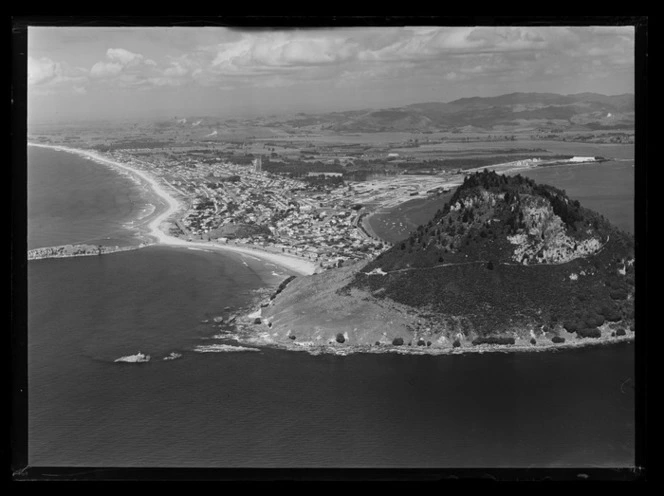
74	200
607	188
282	409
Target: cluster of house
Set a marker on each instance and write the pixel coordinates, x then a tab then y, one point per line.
230	199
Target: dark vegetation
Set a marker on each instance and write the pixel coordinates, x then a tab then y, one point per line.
493	340
340	338
132	144
299	168
397	341
557	339
282	286
589	333
482	283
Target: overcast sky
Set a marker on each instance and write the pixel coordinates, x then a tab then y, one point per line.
86	73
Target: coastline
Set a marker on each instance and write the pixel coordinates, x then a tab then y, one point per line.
169	205
173	205
341	350
245	334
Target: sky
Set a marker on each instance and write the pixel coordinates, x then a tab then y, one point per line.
88	73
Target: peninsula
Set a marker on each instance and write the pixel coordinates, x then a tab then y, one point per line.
505	264
489	260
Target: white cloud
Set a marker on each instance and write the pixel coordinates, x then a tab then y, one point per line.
124	57
176	69
104	69
119	60
42	70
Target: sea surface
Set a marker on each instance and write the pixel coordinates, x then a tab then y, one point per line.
73	200
273	408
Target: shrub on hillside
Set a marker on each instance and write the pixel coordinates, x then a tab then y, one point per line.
456	344
593	320
618	294
421	342
593	332
571	326
397	341
533	342
620	332
340	338
557	339
612	314
257	320
493	340
292	336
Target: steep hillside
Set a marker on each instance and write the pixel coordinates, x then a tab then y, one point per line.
507	253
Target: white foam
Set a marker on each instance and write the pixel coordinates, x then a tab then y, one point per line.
173	356
222	348
147	211
137	358
227	336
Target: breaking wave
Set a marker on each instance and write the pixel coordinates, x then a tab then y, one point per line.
222	348
137	358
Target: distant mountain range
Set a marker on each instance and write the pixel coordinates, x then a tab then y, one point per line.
582	111
512	112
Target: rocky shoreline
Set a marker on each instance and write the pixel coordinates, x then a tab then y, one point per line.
245	327
342	350
67	251
243	335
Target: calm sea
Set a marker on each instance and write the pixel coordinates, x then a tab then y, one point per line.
274	408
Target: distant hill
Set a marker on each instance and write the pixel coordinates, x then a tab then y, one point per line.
580	112
504	261
583	111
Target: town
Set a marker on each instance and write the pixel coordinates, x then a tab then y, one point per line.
245	205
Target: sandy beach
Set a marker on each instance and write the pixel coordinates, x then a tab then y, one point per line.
292	263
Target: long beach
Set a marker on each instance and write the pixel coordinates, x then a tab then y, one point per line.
295	264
